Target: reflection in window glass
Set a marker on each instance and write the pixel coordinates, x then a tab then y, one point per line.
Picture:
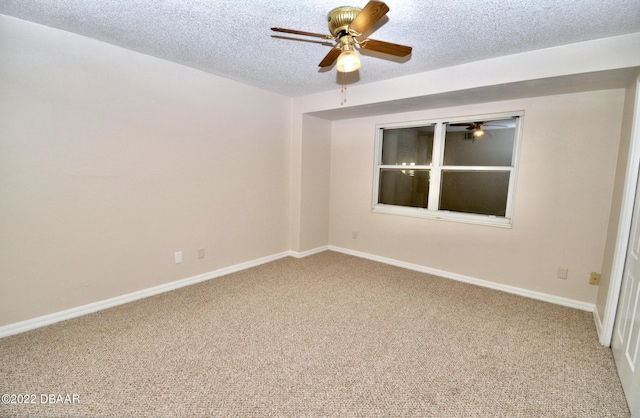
404	187
482	192
493	148
407	146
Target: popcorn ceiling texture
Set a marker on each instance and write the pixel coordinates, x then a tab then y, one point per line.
329	335
232	38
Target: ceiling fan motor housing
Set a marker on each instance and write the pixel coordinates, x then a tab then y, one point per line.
340	18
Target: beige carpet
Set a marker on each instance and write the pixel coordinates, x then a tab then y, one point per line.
325	336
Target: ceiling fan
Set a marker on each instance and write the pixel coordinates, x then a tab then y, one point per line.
476	127
346	24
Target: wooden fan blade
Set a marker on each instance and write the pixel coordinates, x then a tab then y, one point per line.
470	126
300	32
330	58
368	16
386	47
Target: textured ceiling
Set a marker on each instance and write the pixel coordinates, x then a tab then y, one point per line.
232	38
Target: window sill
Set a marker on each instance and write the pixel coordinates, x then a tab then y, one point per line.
489	220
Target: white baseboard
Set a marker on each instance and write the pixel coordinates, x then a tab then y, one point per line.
42	321
307	253
558	300
599	328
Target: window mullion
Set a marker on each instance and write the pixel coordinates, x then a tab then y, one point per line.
476	168
436	167
404	167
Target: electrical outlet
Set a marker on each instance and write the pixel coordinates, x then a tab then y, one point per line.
200	252
178	257
354	235
594	278
563	273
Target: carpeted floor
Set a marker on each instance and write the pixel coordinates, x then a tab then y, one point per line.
329	335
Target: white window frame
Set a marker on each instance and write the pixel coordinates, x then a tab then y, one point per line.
437	167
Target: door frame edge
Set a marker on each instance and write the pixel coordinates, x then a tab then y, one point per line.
605	329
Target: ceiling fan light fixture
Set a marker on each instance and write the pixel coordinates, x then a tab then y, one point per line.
348	61
478	132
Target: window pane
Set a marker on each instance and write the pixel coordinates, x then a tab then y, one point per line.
483	192
493	148
407	146
404	187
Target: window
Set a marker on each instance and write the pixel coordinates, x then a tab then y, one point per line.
458	169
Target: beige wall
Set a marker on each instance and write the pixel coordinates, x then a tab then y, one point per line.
310	169
315	190
110	161
563	196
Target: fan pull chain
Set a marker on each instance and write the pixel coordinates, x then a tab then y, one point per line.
343	99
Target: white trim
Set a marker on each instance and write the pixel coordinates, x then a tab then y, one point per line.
598	322
545	297
444	215
45	320
624	227
437	157
307	253
42	321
